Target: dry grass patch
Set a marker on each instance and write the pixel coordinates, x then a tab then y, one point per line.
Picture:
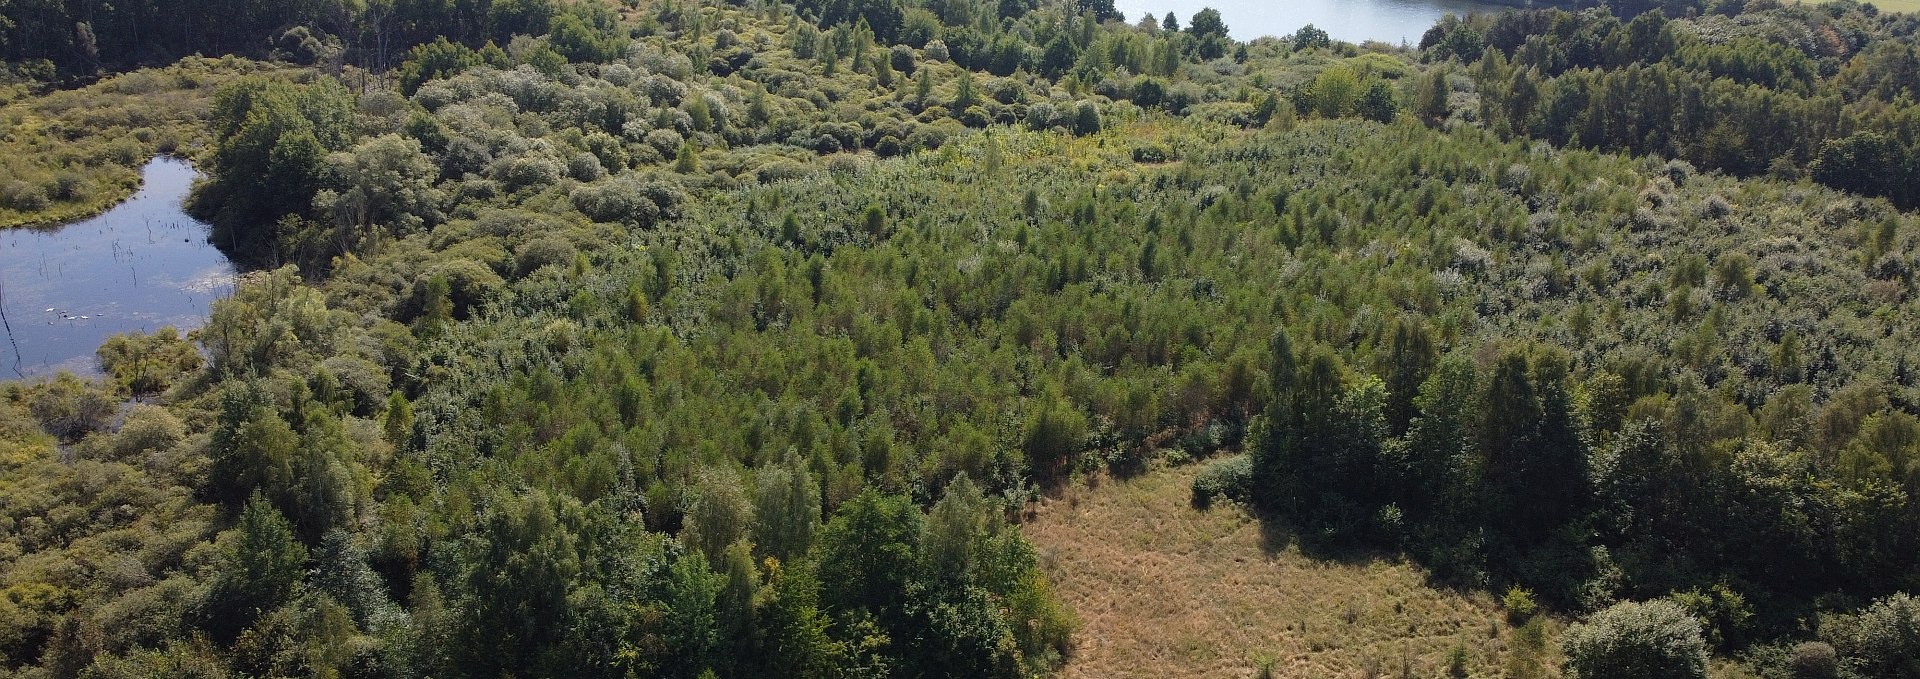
1165	590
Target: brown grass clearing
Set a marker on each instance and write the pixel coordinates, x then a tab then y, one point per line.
1164	590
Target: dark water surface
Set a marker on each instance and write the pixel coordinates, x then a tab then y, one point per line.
143	265
1390	21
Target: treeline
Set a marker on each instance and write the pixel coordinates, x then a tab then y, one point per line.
1823	92
87	37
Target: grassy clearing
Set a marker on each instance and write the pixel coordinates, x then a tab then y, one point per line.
1164	590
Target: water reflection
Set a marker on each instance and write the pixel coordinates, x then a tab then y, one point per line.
1390	21
141	266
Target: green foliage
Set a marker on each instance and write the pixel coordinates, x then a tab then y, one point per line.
689	341
272	139
146	363
68	409
1055	433
1570	74
1637	639
1519	605
1881	641
1230	479
433	61
263	566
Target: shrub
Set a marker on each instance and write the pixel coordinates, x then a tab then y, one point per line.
1151	153
23	196
975	117
69	408
1814	660
147	429
1519	605
1231	478
148	363
901	59
616	200
1883	640
936	50
1652	639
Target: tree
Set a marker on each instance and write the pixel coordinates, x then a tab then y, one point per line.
964	95
261	572
786	510
1086	118
520	17
1210	33
719	514
515	579
1207	23
1273	449
252	449
1437	479
885	17
581	42
1533	460
688	160
1868	163
1102	10
1411	353
1309	37
1883	640
1059	56
272	139
867	558
384	181
1335	92
1378	104
1053	435
1653	639
1430	96
433	61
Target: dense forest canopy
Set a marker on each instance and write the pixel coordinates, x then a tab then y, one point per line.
700	339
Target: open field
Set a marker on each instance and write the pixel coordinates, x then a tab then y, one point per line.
1164	590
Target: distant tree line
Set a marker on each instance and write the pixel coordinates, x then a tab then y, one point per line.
1824	92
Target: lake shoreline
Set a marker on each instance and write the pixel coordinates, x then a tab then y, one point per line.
138	265
124	192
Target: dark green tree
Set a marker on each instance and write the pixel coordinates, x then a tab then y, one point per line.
261	571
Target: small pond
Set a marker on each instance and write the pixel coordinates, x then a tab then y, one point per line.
142	265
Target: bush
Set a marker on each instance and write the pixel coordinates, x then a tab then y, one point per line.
23	196
1883	640
1231	478
1814	660
70	408
148	363
617	200
1519	605
148	429
1652	640
1151	153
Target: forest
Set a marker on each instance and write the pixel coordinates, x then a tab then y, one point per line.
712	339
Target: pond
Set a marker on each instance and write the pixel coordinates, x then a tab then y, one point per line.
142	265
1390	21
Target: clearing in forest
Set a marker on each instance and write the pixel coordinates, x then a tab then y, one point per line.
1166	590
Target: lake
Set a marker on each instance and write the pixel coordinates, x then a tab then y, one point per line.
142	265
1391	21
